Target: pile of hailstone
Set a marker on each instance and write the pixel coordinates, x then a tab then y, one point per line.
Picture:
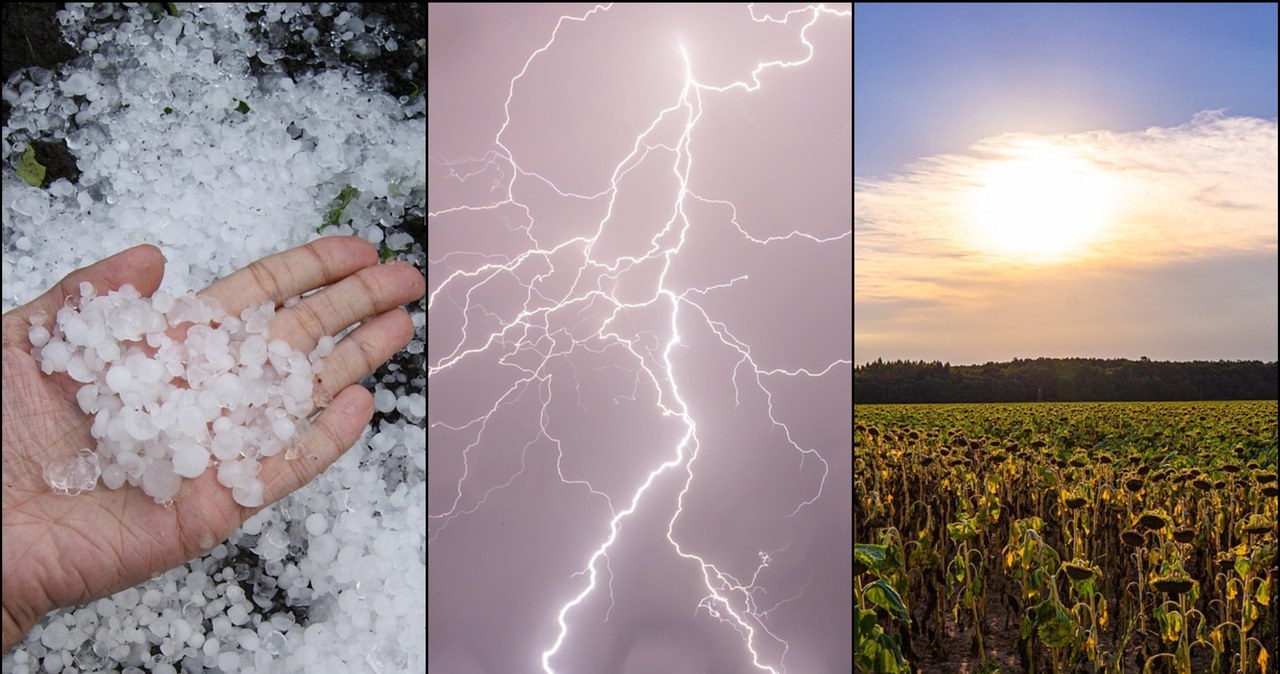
332	578
163	408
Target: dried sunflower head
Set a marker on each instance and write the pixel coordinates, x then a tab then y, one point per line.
1256	525
1074	502
1174	584
1152	521
1079	570
1184	535
1133	484
1131	537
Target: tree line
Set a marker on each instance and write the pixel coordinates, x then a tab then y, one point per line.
1063	380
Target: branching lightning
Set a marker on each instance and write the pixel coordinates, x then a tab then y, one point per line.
530	341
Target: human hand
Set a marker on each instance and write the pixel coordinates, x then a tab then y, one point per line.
65	550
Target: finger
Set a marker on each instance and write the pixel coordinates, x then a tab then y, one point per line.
362	351
333	433
368	292
142	266
293	272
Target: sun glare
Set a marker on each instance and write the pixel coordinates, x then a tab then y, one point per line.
1042	204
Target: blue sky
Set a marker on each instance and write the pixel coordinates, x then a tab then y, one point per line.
1065	181
930	79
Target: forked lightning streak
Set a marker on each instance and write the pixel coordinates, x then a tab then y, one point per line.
527	340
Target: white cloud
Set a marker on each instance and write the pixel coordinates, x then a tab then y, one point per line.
1186	267
1202	189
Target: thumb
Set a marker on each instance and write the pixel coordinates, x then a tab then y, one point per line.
142	266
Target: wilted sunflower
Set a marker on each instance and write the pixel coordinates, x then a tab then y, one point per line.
1079	570
1131	538
1184	535
1078	462
1074	502
1133	484
1152	521
1264	477
1202	485
1256	525
1270	490
1174	584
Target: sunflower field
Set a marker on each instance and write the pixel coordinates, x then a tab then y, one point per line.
1065	538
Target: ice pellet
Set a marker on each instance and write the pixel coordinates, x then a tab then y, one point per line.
317	524
238	614
283	428
160	482
39	335
273	642
323	549
384	400
248	493
55	635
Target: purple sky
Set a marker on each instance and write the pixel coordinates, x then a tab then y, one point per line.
639	284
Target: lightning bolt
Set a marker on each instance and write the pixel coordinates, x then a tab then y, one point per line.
559	322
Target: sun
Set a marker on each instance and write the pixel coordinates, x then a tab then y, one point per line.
1042	203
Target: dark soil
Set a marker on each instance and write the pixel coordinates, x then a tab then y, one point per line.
57	161
31	37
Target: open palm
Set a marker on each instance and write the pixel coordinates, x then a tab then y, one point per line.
63	550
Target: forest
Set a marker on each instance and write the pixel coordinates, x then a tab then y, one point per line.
1063	380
